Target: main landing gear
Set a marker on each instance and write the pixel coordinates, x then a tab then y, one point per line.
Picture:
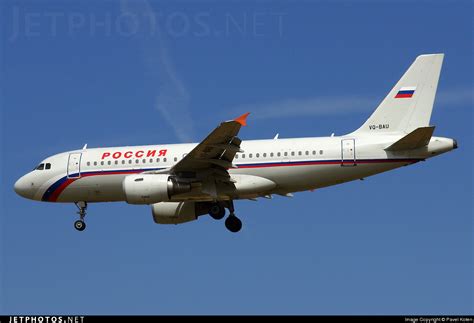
80	225
233	223
217	212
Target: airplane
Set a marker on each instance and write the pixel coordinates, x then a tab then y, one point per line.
184	181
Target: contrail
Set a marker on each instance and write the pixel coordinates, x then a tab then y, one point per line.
307	107
459	96
325	106
172	98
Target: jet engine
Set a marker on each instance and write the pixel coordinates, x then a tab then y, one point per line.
152	188
178	212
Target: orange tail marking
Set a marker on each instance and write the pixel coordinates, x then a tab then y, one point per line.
242	119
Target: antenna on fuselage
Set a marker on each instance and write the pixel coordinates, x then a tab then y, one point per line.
276	136
85	147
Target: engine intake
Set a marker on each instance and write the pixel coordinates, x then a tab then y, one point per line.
152	188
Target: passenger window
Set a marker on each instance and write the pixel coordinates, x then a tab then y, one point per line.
164	160
278	154
271	154
257	155
144	161
95	163
264	154
123	161
48	166
250	155
320	152
243	155
40	167
129	161
151	160
116	162
292	153
299	153
176	159
306	153
102	163
314	152
88	163
109	162
286	154
137	161
236	156
157	160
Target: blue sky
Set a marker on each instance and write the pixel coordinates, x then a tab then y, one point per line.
105	73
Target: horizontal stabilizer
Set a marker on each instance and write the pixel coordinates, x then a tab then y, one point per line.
418	138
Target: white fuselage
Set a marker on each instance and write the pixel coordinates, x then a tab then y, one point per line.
97	175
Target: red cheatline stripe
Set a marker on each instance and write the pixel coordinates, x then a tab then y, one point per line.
54	196
332	162
288	164
112	173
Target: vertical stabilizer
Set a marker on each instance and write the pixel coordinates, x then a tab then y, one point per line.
409	104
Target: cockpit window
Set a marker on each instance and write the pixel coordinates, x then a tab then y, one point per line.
40	167
48	166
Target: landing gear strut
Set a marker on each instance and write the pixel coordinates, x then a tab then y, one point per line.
232	223
80	225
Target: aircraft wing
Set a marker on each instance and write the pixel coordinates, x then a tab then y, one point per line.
216	152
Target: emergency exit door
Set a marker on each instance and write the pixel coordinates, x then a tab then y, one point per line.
348	156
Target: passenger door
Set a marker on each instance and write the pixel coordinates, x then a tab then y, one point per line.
74	165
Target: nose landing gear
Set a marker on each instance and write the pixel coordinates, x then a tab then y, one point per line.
80	225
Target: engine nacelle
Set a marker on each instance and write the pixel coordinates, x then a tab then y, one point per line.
152	188
174	212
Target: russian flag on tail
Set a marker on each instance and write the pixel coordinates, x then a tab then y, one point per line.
406	92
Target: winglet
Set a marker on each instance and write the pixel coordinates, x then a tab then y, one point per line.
242	119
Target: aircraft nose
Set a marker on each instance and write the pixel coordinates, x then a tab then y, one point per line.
24	188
